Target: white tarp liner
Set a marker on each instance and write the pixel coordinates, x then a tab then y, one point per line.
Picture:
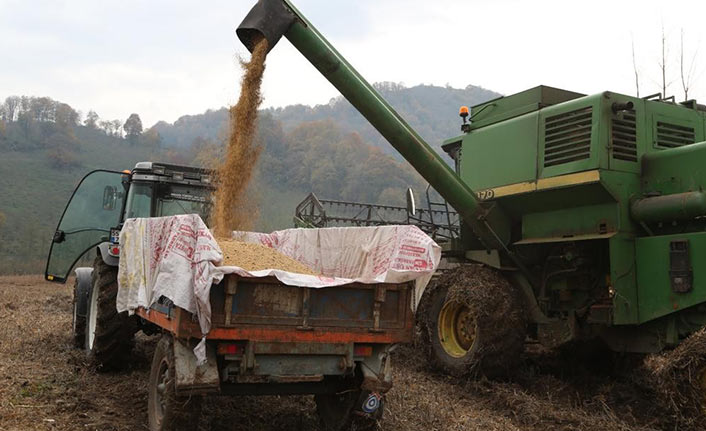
177	257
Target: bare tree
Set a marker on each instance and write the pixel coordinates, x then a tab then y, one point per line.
634	68
117	128
686	75
12	106
663	63
107	126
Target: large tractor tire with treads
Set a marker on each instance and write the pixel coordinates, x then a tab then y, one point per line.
109	334
473	322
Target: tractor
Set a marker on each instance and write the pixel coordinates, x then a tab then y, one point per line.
92	220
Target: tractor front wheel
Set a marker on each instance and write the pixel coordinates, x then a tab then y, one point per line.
109	335
82	288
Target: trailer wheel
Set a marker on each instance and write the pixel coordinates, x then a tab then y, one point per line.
166	410
475	323
109	334
337	412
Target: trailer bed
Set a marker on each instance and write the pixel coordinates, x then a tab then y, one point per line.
264	309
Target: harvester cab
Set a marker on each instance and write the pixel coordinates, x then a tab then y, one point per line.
104	199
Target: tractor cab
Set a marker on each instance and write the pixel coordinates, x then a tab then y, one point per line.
104	199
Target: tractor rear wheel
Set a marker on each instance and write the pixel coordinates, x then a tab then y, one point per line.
109	334
475	323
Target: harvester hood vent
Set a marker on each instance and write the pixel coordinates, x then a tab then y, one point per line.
624	136
567	137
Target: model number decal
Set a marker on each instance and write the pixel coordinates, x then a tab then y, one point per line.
484	195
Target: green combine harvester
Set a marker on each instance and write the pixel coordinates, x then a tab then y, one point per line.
584	217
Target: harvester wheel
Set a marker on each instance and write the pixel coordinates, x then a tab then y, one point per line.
109	334
475	323
166	410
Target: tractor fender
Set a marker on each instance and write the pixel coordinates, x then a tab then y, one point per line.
102	251
84	283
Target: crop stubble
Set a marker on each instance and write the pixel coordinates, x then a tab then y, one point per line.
45	384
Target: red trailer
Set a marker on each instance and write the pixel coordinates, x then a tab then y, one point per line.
270	338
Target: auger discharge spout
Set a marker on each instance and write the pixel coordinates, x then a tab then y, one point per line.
273	19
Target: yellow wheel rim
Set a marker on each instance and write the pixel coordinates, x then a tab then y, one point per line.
457	329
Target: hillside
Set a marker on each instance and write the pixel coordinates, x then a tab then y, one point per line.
45	149
35	185
39	177
431	110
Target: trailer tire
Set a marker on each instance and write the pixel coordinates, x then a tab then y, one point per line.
337	412
475	323
166	410
109	335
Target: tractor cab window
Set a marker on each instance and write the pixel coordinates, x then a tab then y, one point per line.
174	199
139	201
151	199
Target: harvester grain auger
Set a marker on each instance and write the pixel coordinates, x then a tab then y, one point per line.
588	218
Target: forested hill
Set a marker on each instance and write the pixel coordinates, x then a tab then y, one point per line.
47	146
431	110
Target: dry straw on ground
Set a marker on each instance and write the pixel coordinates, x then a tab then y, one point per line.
48	385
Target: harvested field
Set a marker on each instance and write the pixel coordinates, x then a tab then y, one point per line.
253	257
48	385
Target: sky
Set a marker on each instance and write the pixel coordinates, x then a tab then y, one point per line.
164	59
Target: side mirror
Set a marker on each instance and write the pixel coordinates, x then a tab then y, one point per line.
411	207
110	197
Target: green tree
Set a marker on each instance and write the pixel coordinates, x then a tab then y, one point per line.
133	128
66	117
91	120
151	138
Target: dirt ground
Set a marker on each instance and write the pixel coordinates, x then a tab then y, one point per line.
45	384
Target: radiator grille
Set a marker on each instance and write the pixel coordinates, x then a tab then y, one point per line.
674	135
624	136
567	137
